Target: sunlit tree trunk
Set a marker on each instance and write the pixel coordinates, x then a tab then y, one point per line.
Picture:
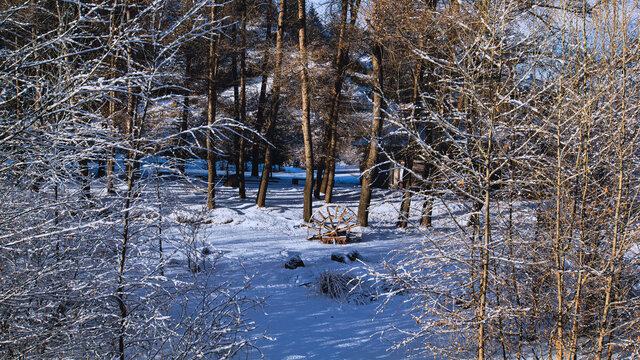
341	63
306	111
376	130
335	98
275	105
485	253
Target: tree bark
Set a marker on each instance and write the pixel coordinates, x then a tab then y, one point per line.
109	170
211	111
376	130
319	177
185	110
341	63
257	145
131	172
84	177
112	111
243	97
484	254
275	104
306	112
405	205
407	180
335	96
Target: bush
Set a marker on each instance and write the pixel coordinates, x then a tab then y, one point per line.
344	287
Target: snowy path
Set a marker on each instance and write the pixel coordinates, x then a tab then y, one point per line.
303	323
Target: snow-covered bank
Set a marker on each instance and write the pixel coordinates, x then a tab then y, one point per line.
302	322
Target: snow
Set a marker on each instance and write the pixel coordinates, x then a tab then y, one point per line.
301	322
252	88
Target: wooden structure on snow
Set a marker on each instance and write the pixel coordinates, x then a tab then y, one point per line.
334	224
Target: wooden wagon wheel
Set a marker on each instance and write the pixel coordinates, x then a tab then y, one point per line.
333	224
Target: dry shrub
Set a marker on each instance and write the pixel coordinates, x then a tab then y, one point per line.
344	287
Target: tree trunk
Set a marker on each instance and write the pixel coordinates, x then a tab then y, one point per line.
485	254
243	97
211	112
607	320
132	166
407	181
341	63
236	92
306	112
318	183
109	168
84	177
120	293
275	104
376	130
405	205
131	157
185	110
263	93
112	110
427	206
101	168
324	158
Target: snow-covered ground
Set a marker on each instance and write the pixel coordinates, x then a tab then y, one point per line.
302	322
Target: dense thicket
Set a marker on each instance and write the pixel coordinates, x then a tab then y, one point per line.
525	128
510	130
83	122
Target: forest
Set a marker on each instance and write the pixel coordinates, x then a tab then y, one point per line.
164	164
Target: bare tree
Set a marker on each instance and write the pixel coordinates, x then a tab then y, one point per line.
275	105
306	111
376	126
263	90
79	274
347	29
211	110
243	98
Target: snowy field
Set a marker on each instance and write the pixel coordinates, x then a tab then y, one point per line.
300	321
